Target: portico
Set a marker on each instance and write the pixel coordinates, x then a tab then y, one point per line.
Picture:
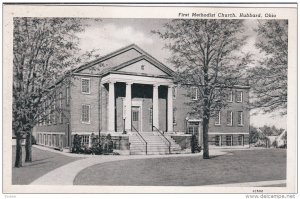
157	93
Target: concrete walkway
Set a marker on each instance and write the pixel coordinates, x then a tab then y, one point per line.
66	174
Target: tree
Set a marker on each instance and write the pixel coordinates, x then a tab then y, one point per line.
271	130
44	50
269	78
205	54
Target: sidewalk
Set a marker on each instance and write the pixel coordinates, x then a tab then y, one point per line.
66	174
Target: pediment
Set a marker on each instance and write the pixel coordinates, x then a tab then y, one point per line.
143	67
130	59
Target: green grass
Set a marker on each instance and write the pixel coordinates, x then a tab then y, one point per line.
42	162
241	166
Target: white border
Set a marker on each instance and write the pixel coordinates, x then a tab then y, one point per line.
283	11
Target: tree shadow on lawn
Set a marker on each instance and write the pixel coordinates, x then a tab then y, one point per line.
38	160
227	153
32	164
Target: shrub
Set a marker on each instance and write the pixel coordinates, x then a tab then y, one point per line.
194	145
76	144
102	145
107	145
96	146
260	143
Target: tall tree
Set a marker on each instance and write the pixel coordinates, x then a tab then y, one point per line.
44	51
269	78
205	53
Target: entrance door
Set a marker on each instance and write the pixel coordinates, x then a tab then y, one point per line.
135	118
193	128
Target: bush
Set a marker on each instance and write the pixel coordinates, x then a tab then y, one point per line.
194	145
260	143
107	145
102	145
76	144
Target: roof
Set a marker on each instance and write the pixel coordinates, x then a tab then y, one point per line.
105	69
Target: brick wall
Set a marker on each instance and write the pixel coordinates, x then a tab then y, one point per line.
234	107
78	99
183	110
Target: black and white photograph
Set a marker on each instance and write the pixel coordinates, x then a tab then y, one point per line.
198	98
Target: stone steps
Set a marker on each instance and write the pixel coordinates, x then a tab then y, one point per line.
156	144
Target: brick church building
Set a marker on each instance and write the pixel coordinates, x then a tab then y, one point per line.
132	96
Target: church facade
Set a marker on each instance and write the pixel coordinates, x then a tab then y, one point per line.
132	96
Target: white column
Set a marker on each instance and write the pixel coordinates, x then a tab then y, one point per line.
111	107
155	106
128	107
170	108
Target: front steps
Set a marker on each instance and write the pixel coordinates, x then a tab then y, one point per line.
156	144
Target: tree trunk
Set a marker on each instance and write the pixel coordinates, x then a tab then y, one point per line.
205	117
18	161
28	147
205	138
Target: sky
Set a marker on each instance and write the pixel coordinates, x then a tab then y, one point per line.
109	35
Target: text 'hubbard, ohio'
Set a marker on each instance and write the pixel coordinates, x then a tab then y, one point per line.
212	15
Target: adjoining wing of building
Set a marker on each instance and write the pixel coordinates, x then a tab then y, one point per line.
133	96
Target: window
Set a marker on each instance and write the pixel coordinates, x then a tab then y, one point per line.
49	113
228	140
194	93
230	96
174	115
53	140
53	115
85	114
151	115
240	118
239	96
142	67
229	118
135	116
85	85
49	140
44	139
67	95
60	108
174	90
61	137
44	114
218	118
193	128
218	140
85	139
241	140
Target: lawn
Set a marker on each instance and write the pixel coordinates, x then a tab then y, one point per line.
43	162
241	166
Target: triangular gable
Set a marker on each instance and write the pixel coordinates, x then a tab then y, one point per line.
123	57
142	66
